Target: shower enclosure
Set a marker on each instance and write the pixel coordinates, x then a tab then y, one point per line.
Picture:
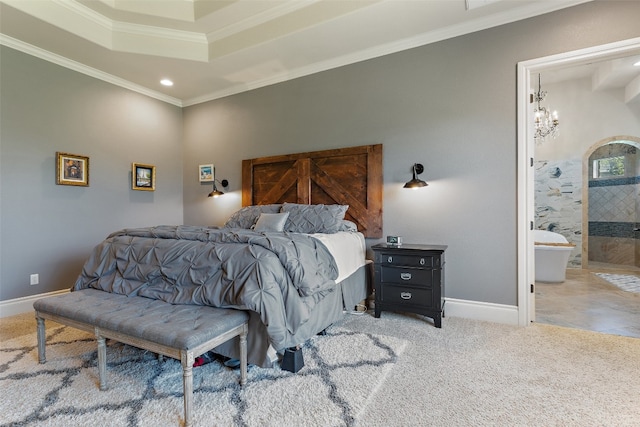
612	202
594	202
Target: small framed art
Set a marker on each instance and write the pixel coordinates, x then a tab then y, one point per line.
72	169
143	177
206	173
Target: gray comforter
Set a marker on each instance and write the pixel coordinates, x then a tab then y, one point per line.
281	276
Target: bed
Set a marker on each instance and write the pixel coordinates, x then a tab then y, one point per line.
293	256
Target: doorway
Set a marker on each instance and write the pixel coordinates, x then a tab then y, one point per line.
525	170
596	294
611	204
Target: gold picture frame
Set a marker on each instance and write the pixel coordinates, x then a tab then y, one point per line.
143	177
72	169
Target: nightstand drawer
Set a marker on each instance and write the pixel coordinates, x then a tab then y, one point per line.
407	295
409	260
406	276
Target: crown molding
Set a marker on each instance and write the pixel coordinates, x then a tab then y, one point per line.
177	44
184	10
258	19
84	22
84	12
81	68
78	19
158	32
201	40
393	47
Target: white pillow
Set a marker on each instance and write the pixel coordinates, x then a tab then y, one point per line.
271	222
247	216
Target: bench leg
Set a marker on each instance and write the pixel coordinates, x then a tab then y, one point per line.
42	339
102	360
187	359
243	355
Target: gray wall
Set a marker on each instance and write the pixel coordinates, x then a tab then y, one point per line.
49	229
449	105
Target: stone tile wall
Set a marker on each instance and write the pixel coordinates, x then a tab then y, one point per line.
558	201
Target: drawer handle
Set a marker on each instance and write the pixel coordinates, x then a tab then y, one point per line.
390	259
422	261
405	276
405	295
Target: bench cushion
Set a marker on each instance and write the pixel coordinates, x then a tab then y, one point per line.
177	326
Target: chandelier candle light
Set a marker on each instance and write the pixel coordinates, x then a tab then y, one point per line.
546	124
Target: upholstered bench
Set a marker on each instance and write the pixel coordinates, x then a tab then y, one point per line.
182	332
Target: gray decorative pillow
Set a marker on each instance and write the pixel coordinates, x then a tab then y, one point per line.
271	222
247	216
314	218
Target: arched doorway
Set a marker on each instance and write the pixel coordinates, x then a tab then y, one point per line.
611	203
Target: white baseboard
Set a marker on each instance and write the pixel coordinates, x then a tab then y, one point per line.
475	310
486	311
25	304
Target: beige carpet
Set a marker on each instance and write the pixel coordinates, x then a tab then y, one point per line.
328	390
471	373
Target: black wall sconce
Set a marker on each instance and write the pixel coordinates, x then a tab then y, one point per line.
224	183
417	169
216	192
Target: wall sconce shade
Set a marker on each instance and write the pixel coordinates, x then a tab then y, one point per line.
417	169
224	183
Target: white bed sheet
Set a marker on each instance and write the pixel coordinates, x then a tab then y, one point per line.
348	249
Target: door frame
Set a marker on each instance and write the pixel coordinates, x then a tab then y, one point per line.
525	159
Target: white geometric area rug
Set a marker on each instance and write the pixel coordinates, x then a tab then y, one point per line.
342	371
626	282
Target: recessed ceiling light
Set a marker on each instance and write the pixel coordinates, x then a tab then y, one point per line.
637	64
166	82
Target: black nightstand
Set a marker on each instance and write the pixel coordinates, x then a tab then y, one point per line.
410	278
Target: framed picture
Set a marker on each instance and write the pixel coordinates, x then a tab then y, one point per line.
72	169
143	177
206	173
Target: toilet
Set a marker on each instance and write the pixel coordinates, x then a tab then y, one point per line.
552	251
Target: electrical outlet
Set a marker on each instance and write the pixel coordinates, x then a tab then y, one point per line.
35	279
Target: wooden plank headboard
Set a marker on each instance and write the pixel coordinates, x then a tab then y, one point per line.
345	176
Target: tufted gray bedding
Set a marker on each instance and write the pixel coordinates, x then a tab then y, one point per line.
281	276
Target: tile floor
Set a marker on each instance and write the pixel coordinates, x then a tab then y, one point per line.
585	301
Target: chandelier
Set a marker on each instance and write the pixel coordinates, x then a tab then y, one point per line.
546	123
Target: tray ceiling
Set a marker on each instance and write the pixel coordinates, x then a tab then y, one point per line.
214	48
